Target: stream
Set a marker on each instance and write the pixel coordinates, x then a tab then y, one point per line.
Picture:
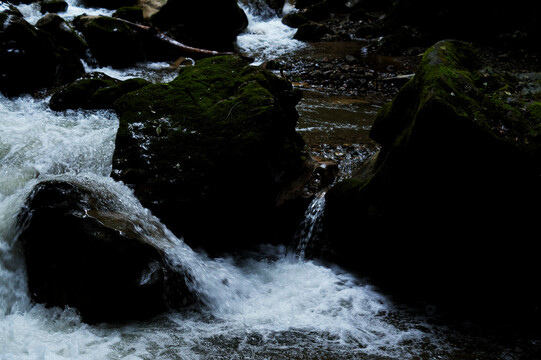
275	305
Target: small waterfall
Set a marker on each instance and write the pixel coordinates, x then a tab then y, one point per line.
310	226
266	37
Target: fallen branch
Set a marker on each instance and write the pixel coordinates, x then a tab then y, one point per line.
160	36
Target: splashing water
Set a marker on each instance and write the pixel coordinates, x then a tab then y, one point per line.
266	37
311	225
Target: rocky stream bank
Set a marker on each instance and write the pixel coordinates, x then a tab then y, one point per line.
441	211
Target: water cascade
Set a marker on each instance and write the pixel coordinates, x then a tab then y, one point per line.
259	306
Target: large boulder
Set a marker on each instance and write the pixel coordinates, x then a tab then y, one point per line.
31	59
447	209
212	152
83	253
209	25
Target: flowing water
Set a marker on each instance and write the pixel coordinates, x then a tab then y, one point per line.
268	304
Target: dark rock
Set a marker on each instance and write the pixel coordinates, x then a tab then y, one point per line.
276	5
311	32
31	59
53	6
318	12
94	91
111	40
445	211
133	14
83	253
294	20
303	4
64	34
210	152
210	25
489	23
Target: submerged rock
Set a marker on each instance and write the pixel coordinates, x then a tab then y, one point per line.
31	59
82	253
446	210
211	152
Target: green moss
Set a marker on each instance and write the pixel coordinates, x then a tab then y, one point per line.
453	82
94	91
231	103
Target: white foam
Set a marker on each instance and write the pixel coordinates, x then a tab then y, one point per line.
32	12
267	38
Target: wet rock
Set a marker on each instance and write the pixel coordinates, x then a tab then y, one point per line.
108	4
318	12
132	13
294	20
276	5
111	40
210	25
53	6
31	59
64	34
446	206
94	91
303	4
83	253
210	152
311	32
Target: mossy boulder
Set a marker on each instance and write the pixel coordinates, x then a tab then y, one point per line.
447	209
84	251
94	91
31	59
210	152
209	25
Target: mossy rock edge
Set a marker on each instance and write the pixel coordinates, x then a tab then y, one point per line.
452	198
